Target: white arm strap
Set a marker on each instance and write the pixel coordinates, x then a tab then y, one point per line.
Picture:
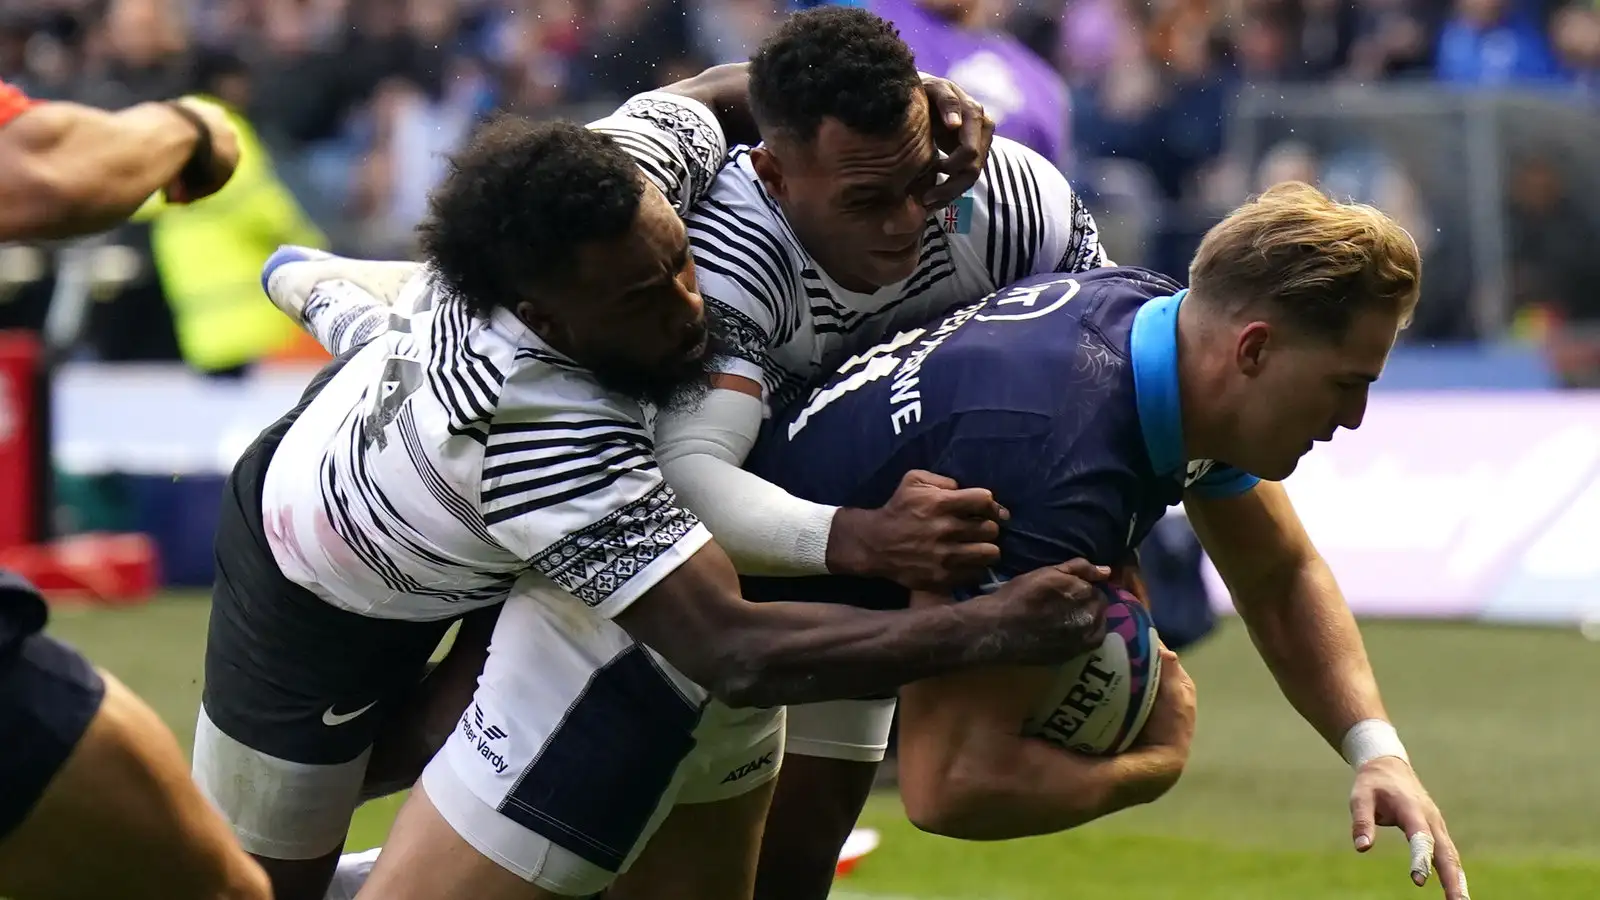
764	529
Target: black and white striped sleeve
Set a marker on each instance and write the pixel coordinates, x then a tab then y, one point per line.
577	493
748	276
1033	222
676	141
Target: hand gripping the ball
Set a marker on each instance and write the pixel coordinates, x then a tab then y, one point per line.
1049	615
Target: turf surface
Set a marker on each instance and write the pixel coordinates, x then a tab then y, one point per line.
1500	721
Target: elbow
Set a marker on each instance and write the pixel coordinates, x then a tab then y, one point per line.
36	204
733	674
964	801
1149	786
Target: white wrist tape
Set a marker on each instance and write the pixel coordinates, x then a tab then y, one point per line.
1369	739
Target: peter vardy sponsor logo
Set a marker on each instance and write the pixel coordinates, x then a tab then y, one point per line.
483	736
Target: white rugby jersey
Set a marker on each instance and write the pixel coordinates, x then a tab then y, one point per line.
453	454
792	324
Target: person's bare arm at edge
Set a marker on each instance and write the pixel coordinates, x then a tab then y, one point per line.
73	170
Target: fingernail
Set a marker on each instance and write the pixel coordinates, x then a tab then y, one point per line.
952	119
1418	878
1363	842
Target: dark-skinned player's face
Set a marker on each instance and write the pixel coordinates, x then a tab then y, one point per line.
631	312
854	200
1300	389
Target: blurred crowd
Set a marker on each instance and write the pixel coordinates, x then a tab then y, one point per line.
354	101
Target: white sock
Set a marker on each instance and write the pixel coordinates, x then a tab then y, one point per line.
341	315
351	874
342	302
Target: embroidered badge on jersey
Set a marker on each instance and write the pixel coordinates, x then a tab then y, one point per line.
957	217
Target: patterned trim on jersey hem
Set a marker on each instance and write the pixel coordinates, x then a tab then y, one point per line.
612	562
696	128
746	339
1083	246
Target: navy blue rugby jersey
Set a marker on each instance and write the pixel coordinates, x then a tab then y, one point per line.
1058	393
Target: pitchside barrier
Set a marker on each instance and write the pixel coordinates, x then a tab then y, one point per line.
1457	503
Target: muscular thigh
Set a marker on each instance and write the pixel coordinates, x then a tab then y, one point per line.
296	691
703	851
122	818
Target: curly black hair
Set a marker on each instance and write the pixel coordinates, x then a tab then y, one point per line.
836	61
516	204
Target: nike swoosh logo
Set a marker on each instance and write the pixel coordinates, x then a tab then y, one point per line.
331	718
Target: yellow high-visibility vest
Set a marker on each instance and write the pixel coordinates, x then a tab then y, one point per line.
209	254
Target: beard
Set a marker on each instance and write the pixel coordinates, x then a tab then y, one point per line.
676	386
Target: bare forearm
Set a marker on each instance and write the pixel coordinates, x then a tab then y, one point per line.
1308	638
725	89
77	170
811	652
1044	790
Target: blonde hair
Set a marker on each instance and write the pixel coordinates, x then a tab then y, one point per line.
1309	259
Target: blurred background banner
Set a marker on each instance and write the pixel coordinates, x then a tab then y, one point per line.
1460	504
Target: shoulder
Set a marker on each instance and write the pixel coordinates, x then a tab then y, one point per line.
676	141
746	257
544	386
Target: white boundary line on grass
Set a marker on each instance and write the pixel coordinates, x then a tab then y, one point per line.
876	895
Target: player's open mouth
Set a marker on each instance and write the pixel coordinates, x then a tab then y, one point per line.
899	254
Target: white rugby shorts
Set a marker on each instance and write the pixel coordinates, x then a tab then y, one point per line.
853	730
579	742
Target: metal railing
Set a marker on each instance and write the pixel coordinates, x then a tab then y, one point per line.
1450	164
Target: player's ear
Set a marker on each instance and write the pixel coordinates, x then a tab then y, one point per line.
534	315
1250	352
768	170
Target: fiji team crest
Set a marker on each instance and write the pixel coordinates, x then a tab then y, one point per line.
957	217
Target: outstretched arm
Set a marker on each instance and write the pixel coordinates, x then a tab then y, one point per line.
1307	636
72	170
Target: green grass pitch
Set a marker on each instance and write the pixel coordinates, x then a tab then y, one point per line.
1502	723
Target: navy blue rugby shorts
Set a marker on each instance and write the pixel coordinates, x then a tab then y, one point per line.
48	696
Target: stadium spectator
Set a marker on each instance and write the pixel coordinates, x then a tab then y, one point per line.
960	40
1493	43
208	255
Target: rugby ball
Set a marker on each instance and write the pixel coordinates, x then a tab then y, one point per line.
1099	702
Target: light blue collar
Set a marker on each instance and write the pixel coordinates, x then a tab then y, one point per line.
1153	346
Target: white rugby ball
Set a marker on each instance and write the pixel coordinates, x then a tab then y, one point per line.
1099	702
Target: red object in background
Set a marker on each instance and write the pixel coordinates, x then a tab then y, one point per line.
13	103
20	358
110	569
